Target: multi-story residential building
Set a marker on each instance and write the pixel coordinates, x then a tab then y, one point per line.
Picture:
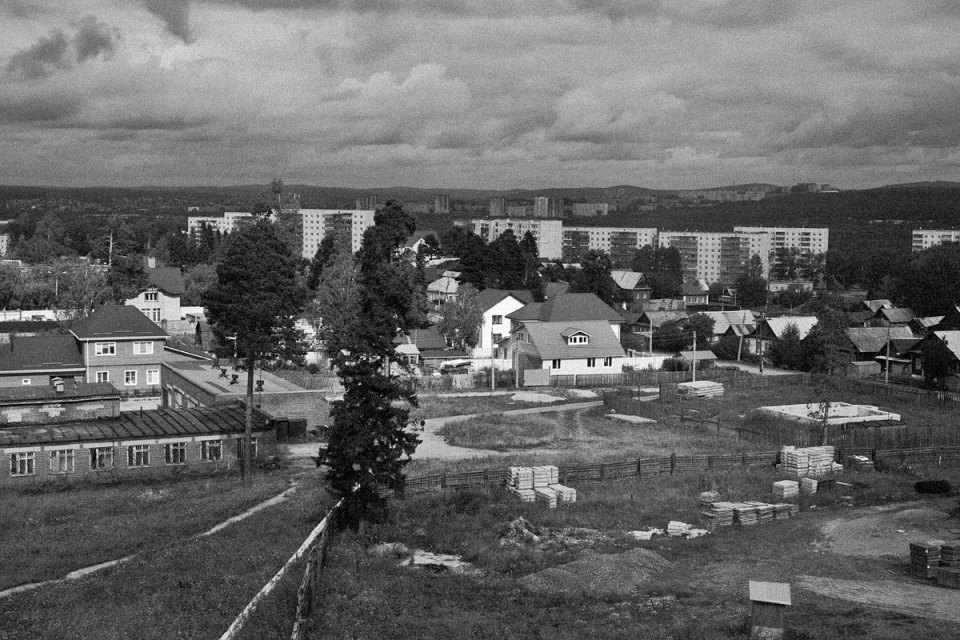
620	243
519	211
226	223
346	225
367	202
809	240
441	203
926	238
544	207
717	256
590	209
547	233
498	207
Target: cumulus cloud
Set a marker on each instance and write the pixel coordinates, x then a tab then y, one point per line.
175	15
42	58
93	38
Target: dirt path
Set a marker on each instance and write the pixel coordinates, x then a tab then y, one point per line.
909	598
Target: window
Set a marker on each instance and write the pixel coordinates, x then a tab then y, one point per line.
555	364
62	461
104	348
591	362
101	458
129	378
103	376
153	314
211	450
497	337
497	320
253	448
153	376
151	296
608	362
23	464
138	455
142	348
26	382
578	339
175	453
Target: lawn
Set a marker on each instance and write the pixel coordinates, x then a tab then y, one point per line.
440	405
191	589
703	595
48	531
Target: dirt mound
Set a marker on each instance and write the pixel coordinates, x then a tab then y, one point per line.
596	574
889	530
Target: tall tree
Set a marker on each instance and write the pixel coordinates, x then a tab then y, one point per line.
595	277
751	286
462	318
126	277
255	303
368	445
324	254
507	261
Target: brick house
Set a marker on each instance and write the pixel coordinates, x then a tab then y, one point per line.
37	360
132	444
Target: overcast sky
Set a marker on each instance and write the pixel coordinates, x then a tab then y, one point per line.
479	93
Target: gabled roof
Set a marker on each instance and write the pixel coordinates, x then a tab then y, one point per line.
876	305
572	331
167	279
738	330
44	353
628	280
928	321
659	318
429	338
690	289
900	346
548	340
901	315
444	285
179	346
489	297
553	289
950	339
120	322
723	319
872	339
859	317
567	307
774	327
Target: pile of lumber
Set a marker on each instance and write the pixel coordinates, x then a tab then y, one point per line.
714	515
723	514
801	462
700	389
924	559
786	489
948	574
540	484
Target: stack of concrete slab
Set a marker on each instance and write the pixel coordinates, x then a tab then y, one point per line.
545	475
700	389
564	493
808	485
786	489
547	496
808	461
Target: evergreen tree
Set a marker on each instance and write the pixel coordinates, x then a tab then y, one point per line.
594	277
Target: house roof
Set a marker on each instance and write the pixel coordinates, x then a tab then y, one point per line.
429	338
928	321
859	317
876	305
900	346
489	297
193	351
74	391
552	289
628	280
28	326
121	322
690	289
43	353
738	330
776	326
663	304
444	285
567	307
723	319
159	423
873	339
950	339
901	315
548	340
660	318
701	354
167	279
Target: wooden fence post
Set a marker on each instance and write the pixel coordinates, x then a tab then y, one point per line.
601	472
673	462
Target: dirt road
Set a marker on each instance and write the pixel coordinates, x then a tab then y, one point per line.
925	601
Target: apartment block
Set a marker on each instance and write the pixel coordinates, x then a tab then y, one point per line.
590	209
926	238
227	223
717	256
367	202
810	240
498	207
547	233
441	203
620	243
544	207
346	225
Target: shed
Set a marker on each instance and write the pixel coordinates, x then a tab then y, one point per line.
768	601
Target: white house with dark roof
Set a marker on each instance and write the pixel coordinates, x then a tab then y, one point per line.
568	347
160	299
497	305
569	308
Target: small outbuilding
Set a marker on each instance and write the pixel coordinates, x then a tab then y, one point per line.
768	601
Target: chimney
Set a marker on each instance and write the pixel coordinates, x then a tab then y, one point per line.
57	384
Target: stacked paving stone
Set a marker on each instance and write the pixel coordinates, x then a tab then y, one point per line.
808	461
786	489
540	484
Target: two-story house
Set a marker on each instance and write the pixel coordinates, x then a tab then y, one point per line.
496	305
118	344
160	299
568	348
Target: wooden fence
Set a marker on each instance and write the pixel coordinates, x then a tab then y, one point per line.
598	472
901	392
307	593
852	438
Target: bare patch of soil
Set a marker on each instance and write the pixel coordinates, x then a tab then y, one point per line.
888	530
599	575
921	600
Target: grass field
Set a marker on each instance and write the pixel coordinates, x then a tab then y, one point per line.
703	596
188	589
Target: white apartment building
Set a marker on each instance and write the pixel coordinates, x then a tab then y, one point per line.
226	223
547	233
620	243
590	209
347	225
807	239
717	256
926	238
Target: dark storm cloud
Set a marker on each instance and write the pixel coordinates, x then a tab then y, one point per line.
45	108
93	38
39	61
175	14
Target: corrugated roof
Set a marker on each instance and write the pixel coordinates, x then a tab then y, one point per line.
628	280
550	343
118	322
900	315
776	326
771	592
159	423
167	279
872	339
51	352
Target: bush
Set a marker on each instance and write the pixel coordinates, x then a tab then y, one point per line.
313	368
675	364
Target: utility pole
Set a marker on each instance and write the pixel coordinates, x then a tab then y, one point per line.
760	343
694	356
493	368
886	370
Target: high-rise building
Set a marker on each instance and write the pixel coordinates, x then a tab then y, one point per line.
717	256
498	207
367	202
549	208
346	226
441	203
926	238
620	243
590	209
547	233
227	223
809	240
